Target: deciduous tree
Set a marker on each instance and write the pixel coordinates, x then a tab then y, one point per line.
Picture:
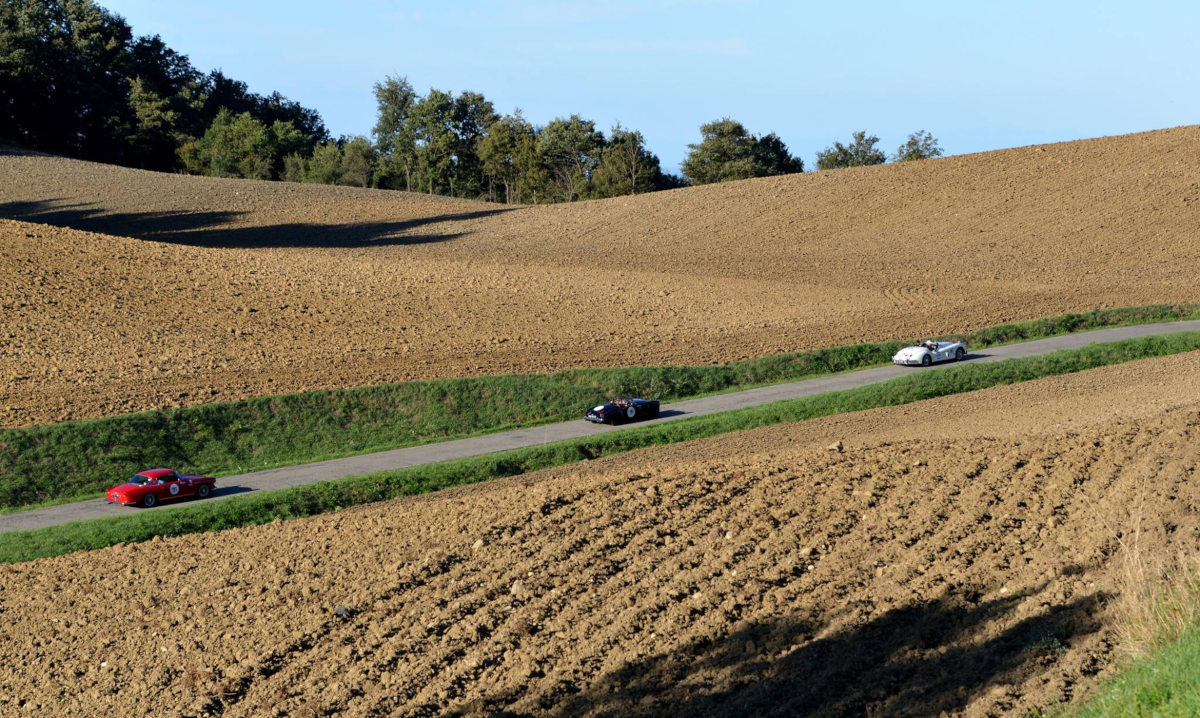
242	146
626	166
571	148
436	141
153	138
358	162
920	146
473	115
510	158
727	151
772	158
861	151
73	80
325	165
395	135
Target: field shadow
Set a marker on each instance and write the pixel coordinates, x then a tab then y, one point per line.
913	661
212	229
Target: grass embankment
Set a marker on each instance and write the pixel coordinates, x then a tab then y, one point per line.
1158	615
334	495
1166	683
76	460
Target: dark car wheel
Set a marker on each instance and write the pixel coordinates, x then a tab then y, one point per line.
204	491
926	360
959	354
149	500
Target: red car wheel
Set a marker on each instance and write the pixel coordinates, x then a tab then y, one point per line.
149	500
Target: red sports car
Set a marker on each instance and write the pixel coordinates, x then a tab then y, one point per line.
147	488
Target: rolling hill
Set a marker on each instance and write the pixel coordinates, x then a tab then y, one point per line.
125	290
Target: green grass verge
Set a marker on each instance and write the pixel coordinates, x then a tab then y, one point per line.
74	460
1166	683
328	496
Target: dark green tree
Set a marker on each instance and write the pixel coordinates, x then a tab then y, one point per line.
666	180
166	96
436	141
242	146
626	166
154	136
473	115
358	162
64	77
73	80
162	70
860	152
233	146
222	92
920	146
395	135
296	167
571	149
771	157
505	153
285	139
325	166
225	93
727	151
275	107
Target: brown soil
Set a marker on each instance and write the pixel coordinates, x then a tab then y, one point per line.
957	555
124	290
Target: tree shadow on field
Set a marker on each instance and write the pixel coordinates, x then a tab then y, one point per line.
912	661
212	228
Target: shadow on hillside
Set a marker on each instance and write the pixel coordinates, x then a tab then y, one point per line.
211	229
912	661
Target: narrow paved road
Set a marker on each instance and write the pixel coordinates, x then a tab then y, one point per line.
519	438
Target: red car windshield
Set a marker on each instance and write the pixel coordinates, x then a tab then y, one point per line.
139	480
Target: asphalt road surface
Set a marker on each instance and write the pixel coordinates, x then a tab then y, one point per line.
519	438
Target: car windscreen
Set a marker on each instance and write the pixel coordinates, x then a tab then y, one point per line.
138	479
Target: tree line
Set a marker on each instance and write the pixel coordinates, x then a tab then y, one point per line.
74	80
440	143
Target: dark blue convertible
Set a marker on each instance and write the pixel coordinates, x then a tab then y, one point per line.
622	409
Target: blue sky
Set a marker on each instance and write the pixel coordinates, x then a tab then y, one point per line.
979	76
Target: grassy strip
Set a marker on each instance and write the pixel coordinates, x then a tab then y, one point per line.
1166	683
73	460
334	495
1157	612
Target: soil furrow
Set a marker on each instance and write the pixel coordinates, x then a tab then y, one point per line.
959	565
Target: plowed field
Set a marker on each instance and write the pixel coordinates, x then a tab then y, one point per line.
124	290
957	555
